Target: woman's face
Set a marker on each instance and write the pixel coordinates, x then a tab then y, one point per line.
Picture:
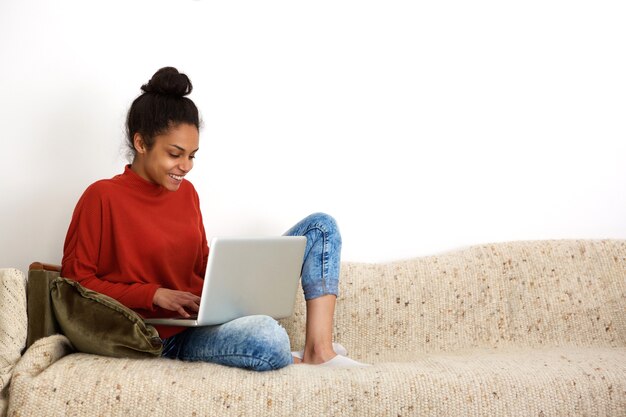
170	158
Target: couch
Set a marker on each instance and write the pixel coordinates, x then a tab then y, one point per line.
532	328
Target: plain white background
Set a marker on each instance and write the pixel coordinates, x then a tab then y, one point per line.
422	127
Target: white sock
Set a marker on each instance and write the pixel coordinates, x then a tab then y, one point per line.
340	361
337	347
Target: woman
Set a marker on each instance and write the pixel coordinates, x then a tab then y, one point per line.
139	238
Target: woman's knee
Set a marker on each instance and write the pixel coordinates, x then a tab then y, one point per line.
322	220
271	343
326	223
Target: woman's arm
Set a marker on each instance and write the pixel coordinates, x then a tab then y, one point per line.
81	254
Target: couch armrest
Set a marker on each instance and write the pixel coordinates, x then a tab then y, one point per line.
35	360
12	326
45	267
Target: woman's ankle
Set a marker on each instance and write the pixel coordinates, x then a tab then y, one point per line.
319	353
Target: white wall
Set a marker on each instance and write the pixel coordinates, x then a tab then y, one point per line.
421	126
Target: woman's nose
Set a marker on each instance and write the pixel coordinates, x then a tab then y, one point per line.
186	165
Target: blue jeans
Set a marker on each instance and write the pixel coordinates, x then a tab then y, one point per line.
259	342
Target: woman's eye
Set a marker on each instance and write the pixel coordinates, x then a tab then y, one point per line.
174	156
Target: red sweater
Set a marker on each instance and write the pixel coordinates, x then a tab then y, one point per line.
128	237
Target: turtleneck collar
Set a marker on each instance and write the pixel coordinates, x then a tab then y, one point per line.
136	181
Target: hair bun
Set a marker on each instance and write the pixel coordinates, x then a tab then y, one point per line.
168	81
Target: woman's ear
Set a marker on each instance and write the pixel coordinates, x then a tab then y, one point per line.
140	145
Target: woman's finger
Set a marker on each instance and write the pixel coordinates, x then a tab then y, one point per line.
182	312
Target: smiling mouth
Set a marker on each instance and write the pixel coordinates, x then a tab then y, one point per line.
176	177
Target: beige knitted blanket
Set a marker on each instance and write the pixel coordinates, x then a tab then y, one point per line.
517	329
505	295
12	326
544	382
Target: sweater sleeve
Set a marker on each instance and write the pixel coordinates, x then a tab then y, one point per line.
81	254
205	246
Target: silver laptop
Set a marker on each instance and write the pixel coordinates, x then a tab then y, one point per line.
247	276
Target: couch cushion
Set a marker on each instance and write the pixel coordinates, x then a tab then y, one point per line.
12	325
98	324
534	382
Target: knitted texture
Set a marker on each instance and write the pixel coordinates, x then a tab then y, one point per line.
12	326
516	329
548	382
531	294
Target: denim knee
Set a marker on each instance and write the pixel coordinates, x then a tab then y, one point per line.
324	221
257	343
272	341
327	224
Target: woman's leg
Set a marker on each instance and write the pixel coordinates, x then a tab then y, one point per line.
254	342
320	282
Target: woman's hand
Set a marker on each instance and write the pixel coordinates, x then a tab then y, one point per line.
176	301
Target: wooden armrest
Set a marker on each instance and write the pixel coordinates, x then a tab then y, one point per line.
41	320
45	267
